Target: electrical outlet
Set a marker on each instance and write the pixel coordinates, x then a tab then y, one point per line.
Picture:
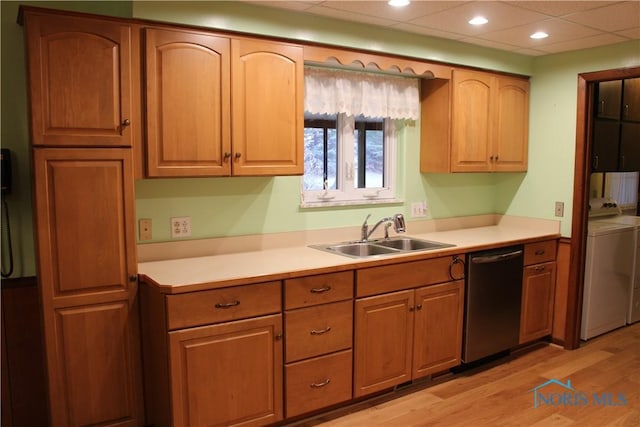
559	209
180	227
144	229
418	209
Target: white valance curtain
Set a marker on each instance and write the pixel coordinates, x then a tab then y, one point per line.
329	91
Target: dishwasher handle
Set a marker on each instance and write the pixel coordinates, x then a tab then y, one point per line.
486	259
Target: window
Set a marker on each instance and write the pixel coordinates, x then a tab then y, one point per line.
349	135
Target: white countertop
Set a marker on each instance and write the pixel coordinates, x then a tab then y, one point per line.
228	269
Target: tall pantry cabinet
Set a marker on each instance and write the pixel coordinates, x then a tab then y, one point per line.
82	76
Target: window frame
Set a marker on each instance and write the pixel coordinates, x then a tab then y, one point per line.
346	192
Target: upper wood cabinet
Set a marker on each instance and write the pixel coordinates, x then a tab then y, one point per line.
187	99
218	106
631	100
475	122
80	80
267	108
609	98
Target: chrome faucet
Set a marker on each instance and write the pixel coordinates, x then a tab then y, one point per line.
398	225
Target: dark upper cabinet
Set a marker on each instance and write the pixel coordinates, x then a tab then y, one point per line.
616	127
608	102
631	100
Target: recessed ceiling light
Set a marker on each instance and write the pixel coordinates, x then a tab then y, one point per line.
539	35
398	3
478	20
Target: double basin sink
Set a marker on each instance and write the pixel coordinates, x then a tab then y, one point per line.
390	246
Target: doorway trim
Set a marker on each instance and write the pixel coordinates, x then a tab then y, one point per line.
582	172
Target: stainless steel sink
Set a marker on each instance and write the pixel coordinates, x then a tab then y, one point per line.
360	249
390	246
411	244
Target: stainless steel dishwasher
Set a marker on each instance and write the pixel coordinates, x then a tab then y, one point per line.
492	302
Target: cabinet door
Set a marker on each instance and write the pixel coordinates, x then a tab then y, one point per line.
383	341
629	147
267	108
437	341
93	365
227	374
538	289
511	126
84	207
604	151
187	95
80	81
471	129
608	103
631	100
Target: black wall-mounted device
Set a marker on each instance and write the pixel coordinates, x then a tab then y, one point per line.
5	170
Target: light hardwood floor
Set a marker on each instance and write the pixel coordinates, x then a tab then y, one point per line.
501	394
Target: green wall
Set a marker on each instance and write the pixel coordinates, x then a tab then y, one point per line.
236	206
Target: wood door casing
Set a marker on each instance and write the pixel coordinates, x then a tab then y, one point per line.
187	98
383	341
438	328
227	374
267	108
80	78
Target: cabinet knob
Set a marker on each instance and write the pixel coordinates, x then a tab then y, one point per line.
133	278
419	307
238	155
126	122
279	336
626	110
226	156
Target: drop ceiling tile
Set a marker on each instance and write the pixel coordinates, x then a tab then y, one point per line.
584	43
615	17
381	9
350	16
489	43
558	30
531	52
559	8
427	31
633	33
500	16
298	6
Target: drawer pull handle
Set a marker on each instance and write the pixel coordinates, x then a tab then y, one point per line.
322	384
227	304
539	268
325	288
540	252
321	331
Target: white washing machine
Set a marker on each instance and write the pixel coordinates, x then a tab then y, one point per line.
633	313
608	281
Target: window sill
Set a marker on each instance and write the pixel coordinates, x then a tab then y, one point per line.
336	203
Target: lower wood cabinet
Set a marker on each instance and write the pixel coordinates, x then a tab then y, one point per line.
228	371
538	290
227	374
406	335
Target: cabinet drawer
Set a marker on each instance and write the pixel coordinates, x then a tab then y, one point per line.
320	289
535	253
390	278
318	383
317	330
221	305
